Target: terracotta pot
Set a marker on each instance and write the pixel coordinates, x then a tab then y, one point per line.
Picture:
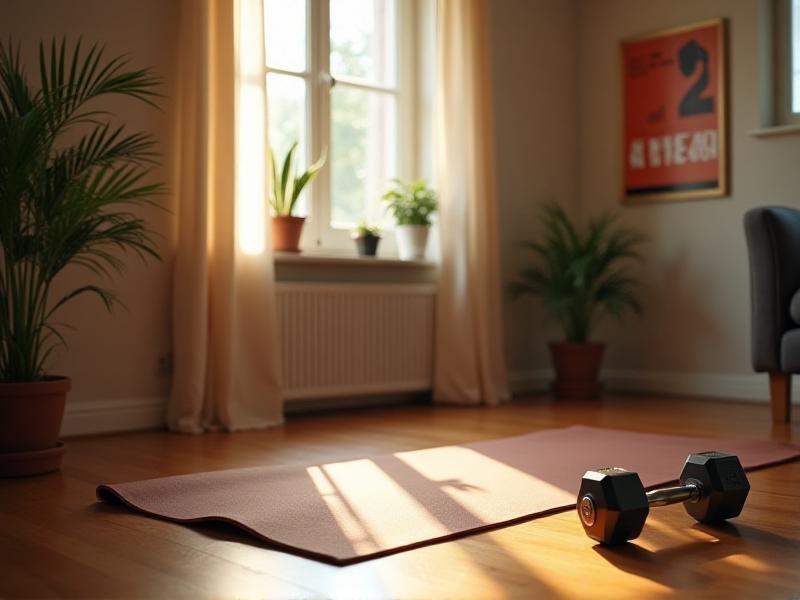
577	367
30	419
286	233
367	245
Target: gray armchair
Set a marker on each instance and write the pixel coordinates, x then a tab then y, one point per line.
773	241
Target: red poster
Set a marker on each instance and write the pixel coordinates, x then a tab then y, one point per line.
674	94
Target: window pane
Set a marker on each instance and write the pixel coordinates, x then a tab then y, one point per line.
286	104
364	155
795	56
363	40
285	33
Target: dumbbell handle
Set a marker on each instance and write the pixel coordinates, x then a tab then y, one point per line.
692	491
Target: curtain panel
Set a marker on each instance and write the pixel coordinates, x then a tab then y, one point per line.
469	355
226	364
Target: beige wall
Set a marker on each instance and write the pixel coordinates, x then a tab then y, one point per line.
534	60
534	56
556	87
113	356
697	319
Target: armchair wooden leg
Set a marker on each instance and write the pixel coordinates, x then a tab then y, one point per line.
780	392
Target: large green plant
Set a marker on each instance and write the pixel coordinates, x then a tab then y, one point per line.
411	203
582	274
68	182
287	185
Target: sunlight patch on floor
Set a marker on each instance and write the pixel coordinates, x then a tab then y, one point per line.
473	479
550	569
360	495
748	562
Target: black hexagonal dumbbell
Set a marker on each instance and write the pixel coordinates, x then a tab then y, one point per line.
613	505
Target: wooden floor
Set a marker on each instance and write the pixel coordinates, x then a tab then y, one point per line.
56	541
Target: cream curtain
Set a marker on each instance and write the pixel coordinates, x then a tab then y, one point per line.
469	364
226	369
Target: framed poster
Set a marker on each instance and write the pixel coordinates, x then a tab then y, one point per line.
675	114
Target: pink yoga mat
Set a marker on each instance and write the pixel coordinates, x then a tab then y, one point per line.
349	511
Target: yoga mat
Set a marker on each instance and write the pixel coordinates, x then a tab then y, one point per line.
349	511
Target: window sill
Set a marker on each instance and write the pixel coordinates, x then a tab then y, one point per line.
347	260
774	131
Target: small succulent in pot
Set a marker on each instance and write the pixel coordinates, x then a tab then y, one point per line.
366	237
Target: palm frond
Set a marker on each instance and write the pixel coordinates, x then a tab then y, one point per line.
576	271
60	193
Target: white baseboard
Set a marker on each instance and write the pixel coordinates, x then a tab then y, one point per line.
130	414
753	387
136	414
529	382
107	416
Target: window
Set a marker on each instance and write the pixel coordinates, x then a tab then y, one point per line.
780	62
342	77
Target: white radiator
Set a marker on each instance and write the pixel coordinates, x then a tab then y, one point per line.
343	339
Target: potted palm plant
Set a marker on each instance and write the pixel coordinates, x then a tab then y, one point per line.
285	189
367	238
68	183
581	275
413	204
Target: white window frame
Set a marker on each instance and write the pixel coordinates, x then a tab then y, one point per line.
783	67
792	38
413	102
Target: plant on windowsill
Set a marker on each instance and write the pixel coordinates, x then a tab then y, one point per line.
413	204
366	237
581	275
70	183
285	190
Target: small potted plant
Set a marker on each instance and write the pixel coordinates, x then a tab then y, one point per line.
366	237
413	204
581	276
285	189
69	187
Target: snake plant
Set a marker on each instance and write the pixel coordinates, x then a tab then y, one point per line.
285	188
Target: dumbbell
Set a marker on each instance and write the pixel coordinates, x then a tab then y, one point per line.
613	505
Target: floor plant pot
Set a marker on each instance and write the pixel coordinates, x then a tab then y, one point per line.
577	368
30	419
412	241
286	232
